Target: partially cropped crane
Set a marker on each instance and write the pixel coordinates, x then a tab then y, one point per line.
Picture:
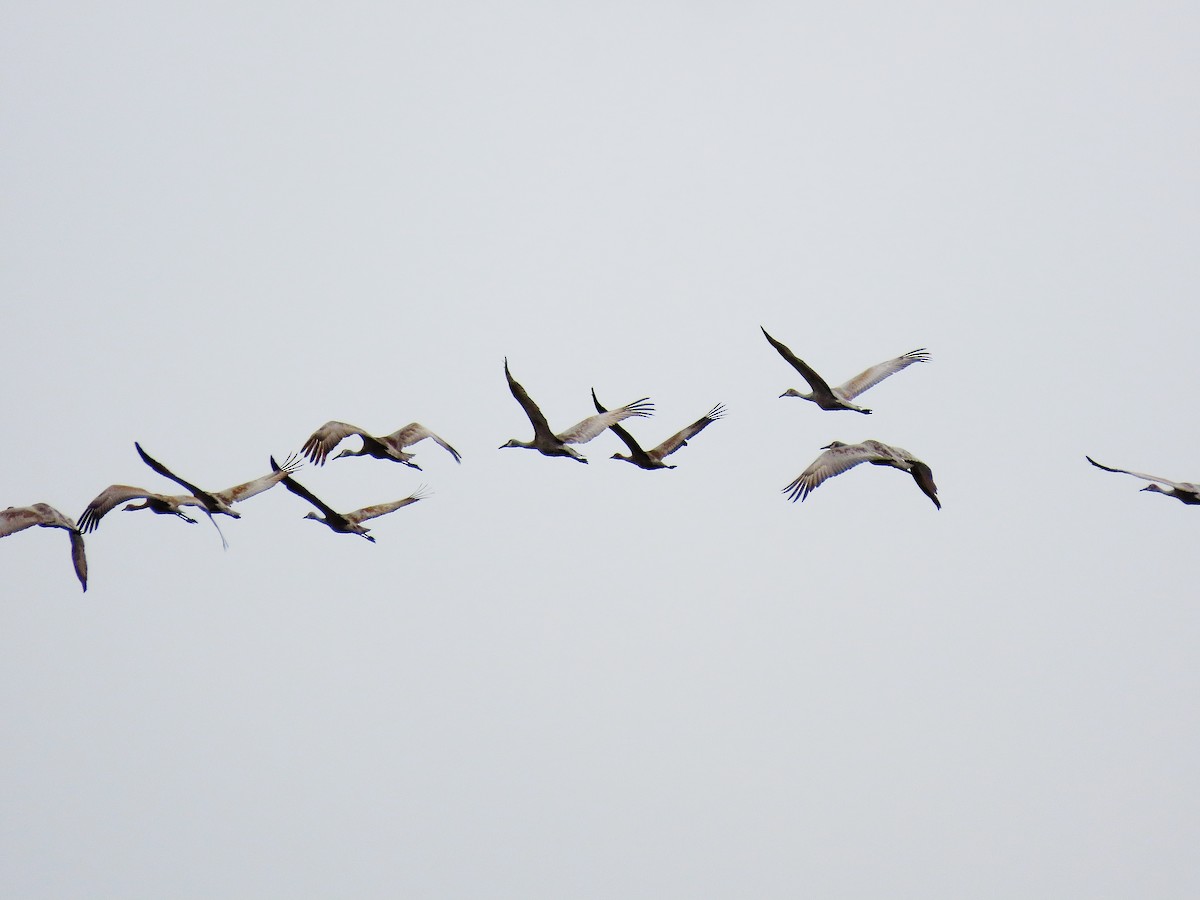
1183	491
18	518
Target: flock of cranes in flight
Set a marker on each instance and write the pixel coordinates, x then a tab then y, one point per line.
837	458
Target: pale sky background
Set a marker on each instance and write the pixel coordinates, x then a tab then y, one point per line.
227	223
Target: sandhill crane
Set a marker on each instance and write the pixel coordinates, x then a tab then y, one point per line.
164	504
220	501
839	457
548	443
116	494
839	397
322	442
18	518
345	523
653	459
1183	491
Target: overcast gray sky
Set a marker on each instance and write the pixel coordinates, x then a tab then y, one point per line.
228	223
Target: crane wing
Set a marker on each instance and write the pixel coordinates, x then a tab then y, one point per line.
322	441
49	517
18	518
872	376
415	432
924	478
301	491
1177	484
258	485
635	449
78	557
593	426
380	509
833	461
541	428
158	467
680	438
815	382
110	498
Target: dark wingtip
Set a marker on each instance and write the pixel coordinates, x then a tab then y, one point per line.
923	476
795	491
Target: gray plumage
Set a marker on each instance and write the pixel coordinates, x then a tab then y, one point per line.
391	446
548	443
835	398
653	458
345	523
216	502
839	457
1183	491
18	518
